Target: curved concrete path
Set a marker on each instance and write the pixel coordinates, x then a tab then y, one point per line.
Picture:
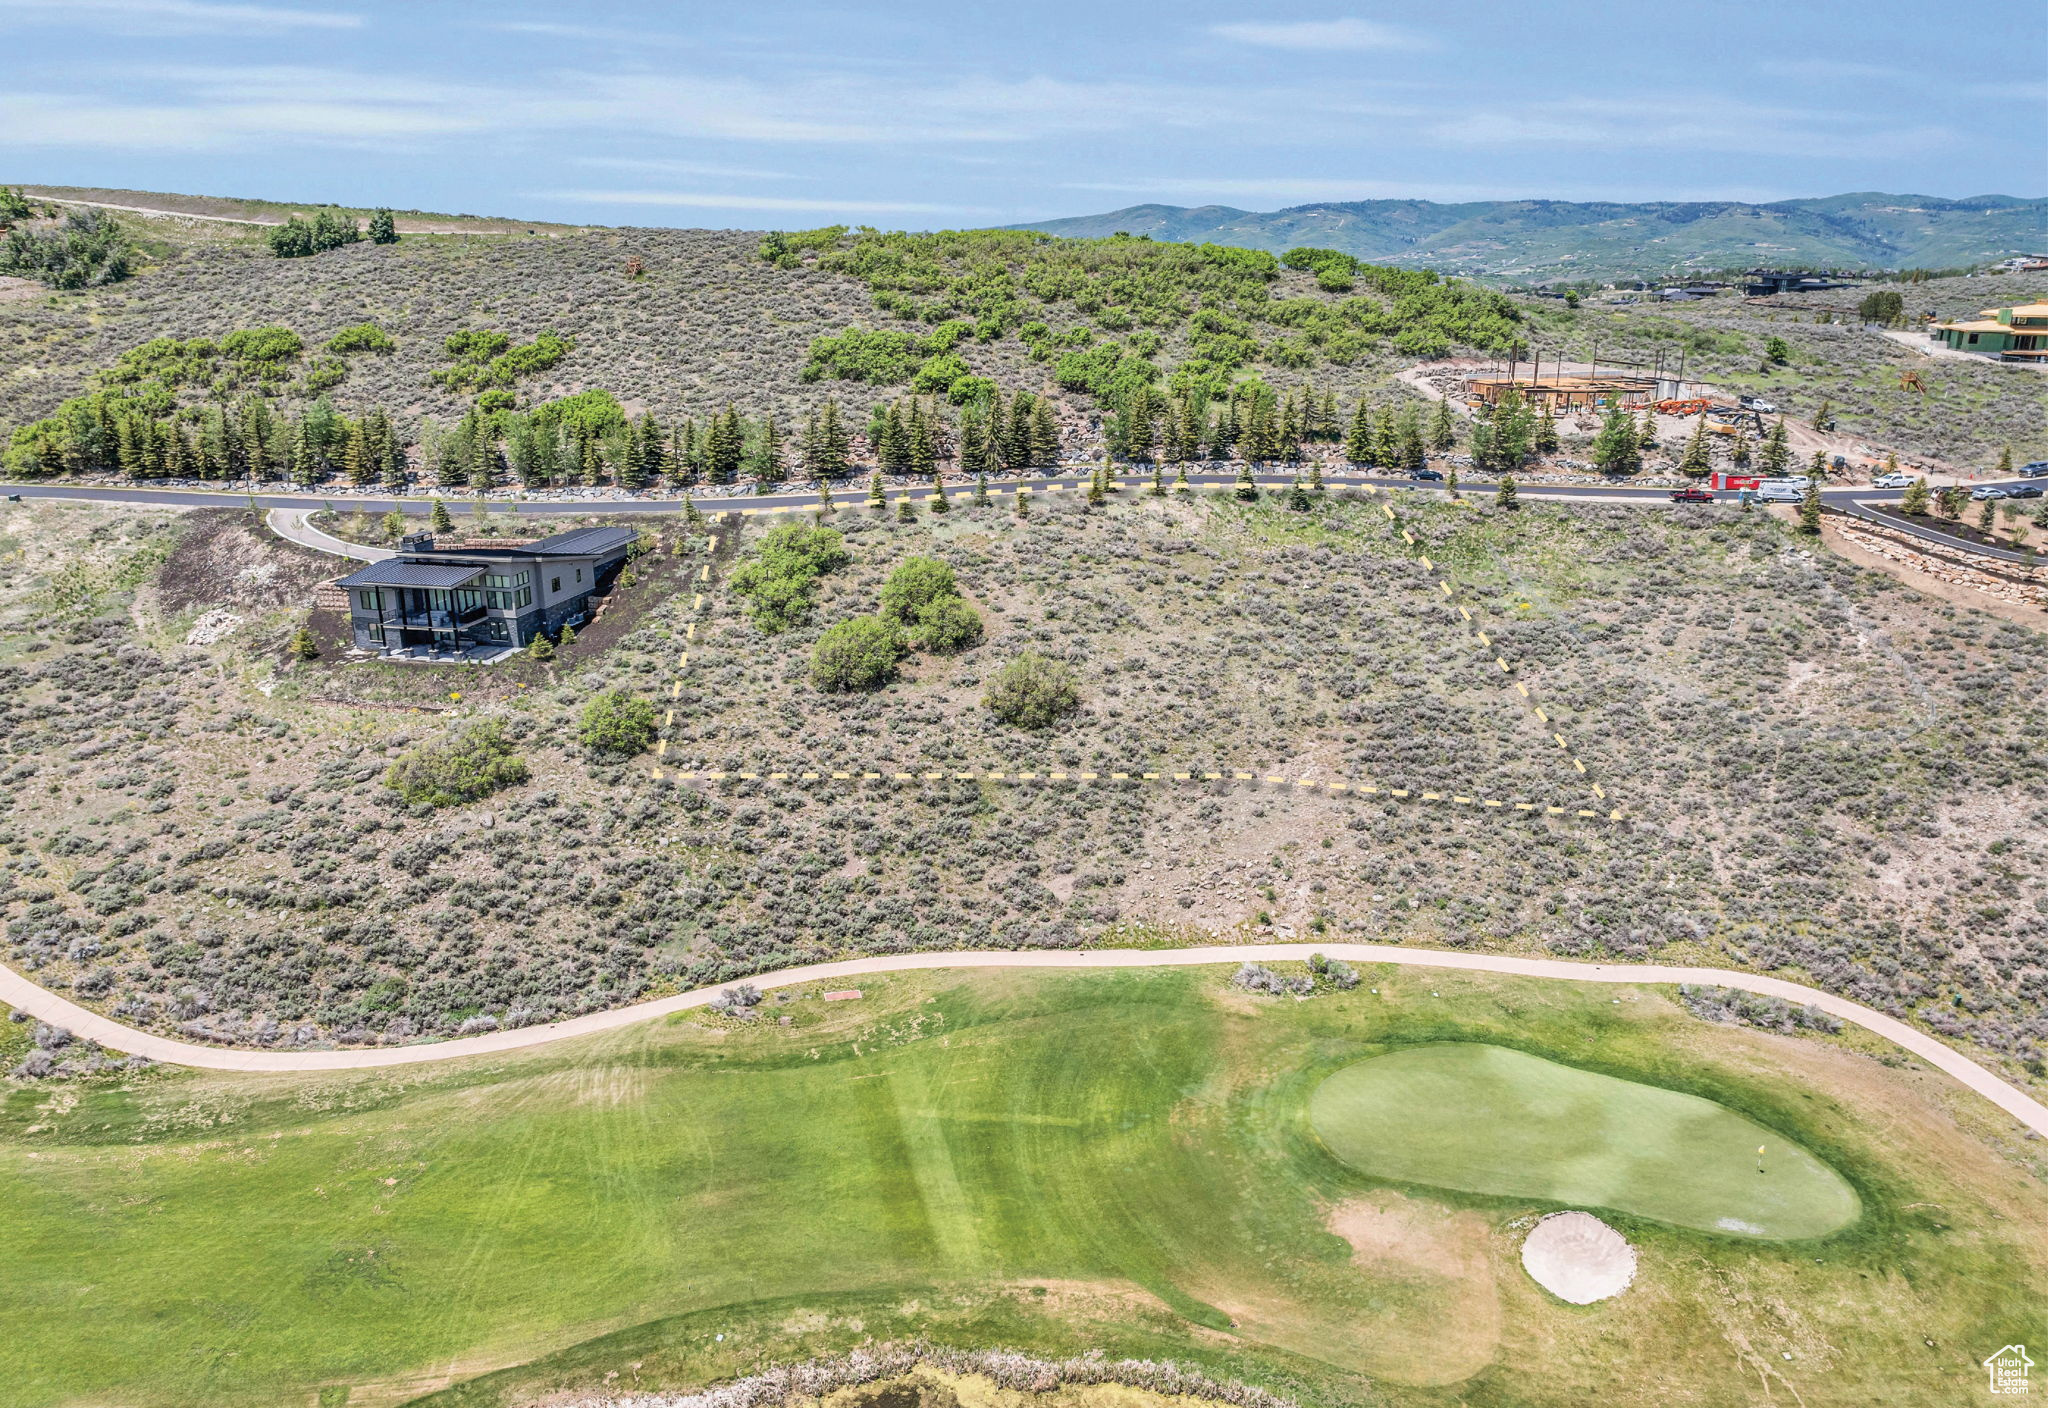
18	992
295	525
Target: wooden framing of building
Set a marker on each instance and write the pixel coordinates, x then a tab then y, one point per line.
1564	395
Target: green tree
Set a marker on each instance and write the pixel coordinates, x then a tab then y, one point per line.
1443	430
1698	460
859	654
1615	448
437	517
2004	466
1916	500
1033	692
1776	351
383	229
464	767
303	646
1776	456
1809	510
1359	442
618	725
1504	496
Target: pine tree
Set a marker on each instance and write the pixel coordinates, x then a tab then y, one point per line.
1738	452
1158	482
1408	448
876	497
1315	476
922	452
383	229
2004	463
940	503
1443	431
1043	436
1647	435
1244	488
1809	509
1504	496
302	645
1181	485
974	457
1023	502
1386	451
981	491
892	446
1615	450
1698	460
1916	499
1777	453
1358	441
305	463
726	444
437	517
906	511
1545	440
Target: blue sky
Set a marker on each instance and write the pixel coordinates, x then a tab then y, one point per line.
779	113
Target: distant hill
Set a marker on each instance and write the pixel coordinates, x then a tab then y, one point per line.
245	210
1537	240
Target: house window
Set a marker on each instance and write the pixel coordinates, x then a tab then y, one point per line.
579	574
367	598
508	579
1973	338
556	585
377	634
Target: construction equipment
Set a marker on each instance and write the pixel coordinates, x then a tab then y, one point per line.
1727	420
1691	406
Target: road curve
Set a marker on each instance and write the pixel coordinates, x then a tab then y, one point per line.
18	992
295	525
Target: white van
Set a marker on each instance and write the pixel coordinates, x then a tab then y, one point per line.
1780	491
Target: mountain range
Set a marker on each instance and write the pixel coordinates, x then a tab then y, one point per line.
1542	240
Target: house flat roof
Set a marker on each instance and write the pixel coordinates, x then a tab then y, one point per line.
1979	326
396	572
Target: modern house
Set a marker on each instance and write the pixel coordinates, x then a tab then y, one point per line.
1763	283
473	602
2018	334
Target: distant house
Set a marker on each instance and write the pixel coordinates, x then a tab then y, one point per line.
1762	283
476	602
2017	334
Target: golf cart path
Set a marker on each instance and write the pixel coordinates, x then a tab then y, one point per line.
18	992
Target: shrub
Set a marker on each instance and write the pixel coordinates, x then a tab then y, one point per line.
1257	977
86	251
618	725
361	337
1033	692
468	766
947	625
856	655
783	572
915	585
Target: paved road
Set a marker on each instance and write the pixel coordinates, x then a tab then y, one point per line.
18	992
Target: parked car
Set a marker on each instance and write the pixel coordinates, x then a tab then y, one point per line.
1692	494
2035	470
1757	404
1776	492
1426	474
1988	491
2025	491
1901	480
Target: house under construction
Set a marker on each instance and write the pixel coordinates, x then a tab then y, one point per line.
1560	395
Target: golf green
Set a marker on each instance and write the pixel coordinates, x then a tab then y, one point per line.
1489	1119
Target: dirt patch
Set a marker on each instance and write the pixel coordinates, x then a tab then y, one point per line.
1577	1257
227	559
1431	1256
14	290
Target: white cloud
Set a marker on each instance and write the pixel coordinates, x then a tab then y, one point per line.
170	16
1346	35
1678	123
711	200
662	166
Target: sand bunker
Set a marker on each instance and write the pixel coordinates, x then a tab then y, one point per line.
1577	1257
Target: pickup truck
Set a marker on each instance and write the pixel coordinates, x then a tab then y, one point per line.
1757	404
1901	480
1692	494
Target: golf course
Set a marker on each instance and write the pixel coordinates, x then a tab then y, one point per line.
1320	1197
1490	1119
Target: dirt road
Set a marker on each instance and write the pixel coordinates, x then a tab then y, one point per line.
18	992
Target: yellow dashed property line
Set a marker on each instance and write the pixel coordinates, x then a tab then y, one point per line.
1499	660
